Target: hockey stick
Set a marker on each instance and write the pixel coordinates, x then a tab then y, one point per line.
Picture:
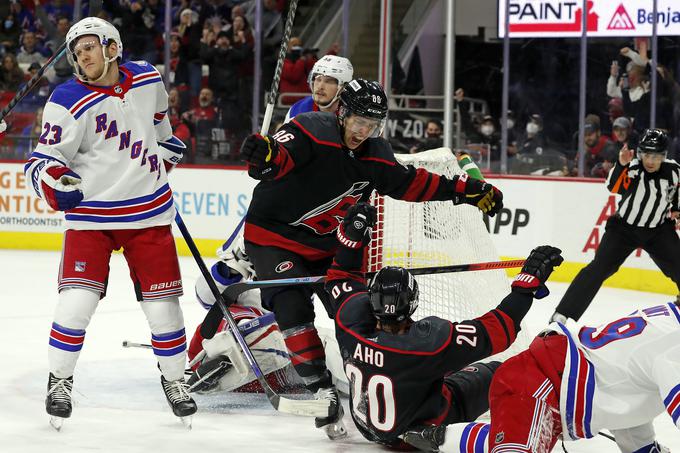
213	318
313	407
33	82
273	92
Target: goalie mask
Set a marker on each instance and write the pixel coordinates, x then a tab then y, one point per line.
394	294
103	32
365	99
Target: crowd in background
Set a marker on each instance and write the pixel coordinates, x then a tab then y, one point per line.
211	85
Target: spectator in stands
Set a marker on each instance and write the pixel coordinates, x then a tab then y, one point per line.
272	33
513	134
223	60
296	68
201	121
56	9
632	87
433	137
190	32
10	30
242	37
61	70
614	109
623	134
31	51
216	10
533	140
37	96
11	75
29	136
601	153
23	16
139	29
179	68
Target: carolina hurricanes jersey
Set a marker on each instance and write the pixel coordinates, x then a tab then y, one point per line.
621	375
108	136
319	179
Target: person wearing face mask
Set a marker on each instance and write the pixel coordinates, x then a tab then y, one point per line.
433	137
533	141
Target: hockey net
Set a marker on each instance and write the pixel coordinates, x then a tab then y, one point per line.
437	233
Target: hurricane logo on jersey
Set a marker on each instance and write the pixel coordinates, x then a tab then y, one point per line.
283	266
324	219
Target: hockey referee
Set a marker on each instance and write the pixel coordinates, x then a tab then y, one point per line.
646	217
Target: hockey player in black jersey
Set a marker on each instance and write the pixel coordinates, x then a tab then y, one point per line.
311	171
402	373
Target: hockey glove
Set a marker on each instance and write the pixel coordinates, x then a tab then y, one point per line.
260	154
61	188
481	194
537	268
355	230
171	151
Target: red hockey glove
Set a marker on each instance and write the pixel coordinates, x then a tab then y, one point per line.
537	268
481	194
355	230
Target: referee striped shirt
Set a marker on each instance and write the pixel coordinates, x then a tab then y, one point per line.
646	198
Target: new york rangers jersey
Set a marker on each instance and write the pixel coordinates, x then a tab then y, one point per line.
108	136
621	375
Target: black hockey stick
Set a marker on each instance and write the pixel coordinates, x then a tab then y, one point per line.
33	82
273	92
213	317
311	408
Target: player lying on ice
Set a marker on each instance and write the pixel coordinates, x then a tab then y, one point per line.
573	382
400	370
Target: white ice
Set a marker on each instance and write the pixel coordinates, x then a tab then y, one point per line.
119	405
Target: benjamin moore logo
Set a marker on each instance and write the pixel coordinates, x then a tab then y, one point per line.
621	20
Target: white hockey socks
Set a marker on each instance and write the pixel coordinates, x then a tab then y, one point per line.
466	438
167	335
71	317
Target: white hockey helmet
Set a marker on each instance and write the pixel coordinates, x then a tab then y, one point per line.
104	31
340	68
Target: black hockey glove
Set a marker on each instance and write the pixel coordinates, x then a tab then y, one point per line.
355	230
537	268
260	154
481	194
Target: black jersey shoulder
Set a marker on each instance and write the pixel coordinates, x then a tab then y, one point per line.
321	127
377	149
425	337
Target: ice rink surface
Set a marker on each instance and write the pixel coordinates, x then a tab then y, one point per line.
119	405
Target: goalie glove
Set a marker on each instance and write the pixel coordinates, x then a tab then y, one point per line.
355	230
536	270
171	151
476	192
60	187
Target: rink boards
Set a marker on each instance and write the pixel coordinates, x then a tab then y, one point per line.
568	213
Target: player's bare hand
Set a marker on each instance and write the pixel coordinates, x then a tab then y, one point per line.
355	229
625	155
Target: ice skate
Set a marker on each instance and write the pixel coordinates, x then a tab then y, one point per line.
332	425
426	438
181	403
58	401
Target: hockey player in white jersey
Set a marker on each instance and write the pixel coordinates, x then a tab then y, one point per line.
103	159
573	382
326	81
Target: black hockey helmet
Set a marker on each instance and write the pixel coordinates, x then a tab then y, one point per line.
364	98
394	294
653	141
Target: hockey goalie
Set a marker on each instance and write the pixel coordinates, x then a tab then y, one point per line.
218	365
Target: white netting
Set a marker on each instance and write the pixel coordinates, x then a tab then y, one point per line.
437	233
